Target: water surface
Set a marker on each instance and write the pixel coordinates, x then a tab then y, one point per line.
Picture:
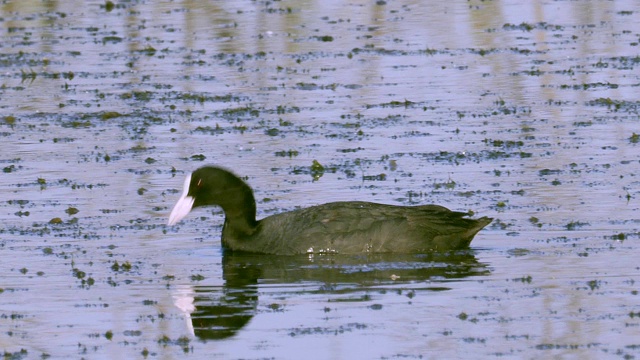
524	112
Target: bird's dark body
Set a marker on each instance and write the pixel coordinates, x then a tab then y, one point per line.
358	227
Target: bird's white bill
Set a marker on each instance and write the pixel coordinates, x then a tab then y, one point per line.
184	204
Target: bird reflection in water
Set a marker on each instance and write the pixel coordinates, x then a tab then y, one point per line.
214	312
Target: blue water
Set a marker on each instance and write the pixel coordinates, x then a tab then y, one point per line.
525	112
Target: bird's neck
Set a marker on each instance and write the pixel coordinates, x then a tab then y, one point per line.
240	223
240	215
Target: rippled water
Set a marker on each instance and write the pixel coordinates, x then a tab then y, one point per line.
525	112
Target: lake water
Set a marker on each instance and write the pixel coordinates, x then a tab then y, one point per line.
527	112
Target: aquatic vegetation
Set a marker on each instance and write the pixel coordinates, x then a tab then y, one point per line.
616	105
529	27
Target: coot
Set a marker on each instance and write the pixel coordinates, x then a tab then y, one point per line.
338	227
